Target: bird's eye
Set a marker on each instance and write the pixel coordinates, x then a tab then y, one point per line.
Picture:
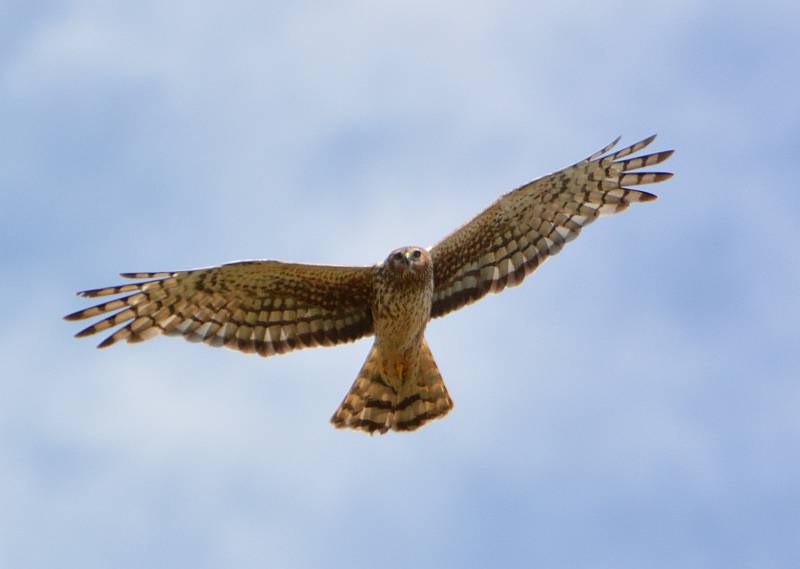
416	254
398	256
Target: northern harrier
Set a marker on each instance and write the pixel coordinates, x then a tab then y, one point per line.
270	307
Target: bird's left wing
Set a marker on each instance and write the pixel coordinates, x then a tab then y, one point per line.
268	307
516	234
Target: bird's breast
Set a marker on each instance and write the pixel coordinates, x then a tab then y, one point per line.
401	311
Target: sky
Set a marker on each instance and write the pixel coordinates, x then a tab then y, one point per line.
633	404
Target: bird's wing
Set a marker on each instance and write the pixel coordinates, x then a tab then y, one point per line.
516	234
267	307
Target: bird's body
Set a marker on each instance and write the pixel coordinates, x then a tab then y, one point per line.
399	386
270	307
403	294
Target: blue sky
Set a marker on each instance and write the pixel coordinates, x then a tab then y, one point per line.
633	404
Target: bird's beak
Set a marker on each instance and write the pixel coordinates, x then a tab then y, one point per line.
407	257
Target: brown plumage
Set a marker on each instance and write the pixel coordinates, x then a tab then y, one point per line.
270	307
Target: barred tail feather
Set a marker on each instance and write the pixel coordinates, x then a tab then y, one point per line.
375	404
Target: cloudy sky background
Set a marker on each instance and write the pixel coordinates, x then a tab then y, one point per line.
634	404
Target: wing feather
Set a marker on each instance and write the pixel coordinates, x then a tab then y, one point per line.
522	229
265	307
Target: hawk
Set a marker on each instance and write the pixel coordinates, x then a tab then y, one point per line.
272	307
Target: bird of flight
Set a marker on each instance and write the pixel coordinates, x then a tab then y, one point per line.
271	307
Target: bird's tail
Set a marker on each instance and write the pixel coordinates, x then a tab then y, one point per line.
376	404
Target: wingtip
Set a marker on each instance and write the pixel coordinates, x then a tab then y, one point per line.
605	149
88	293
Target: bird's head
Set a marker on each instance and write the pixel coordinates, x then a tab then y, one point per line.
414	259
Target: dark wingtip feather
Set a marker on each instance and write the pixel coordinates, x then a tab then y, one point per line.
660	176
88	331
649	139
91	293
74	315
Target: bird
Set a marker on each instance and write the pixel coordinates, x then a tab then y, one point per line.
270	307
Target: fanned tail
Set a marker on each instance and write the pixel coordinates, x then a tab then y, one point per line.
375	403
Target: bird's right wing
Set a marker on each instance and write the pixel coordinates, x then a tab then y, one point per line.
267	307
522	229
